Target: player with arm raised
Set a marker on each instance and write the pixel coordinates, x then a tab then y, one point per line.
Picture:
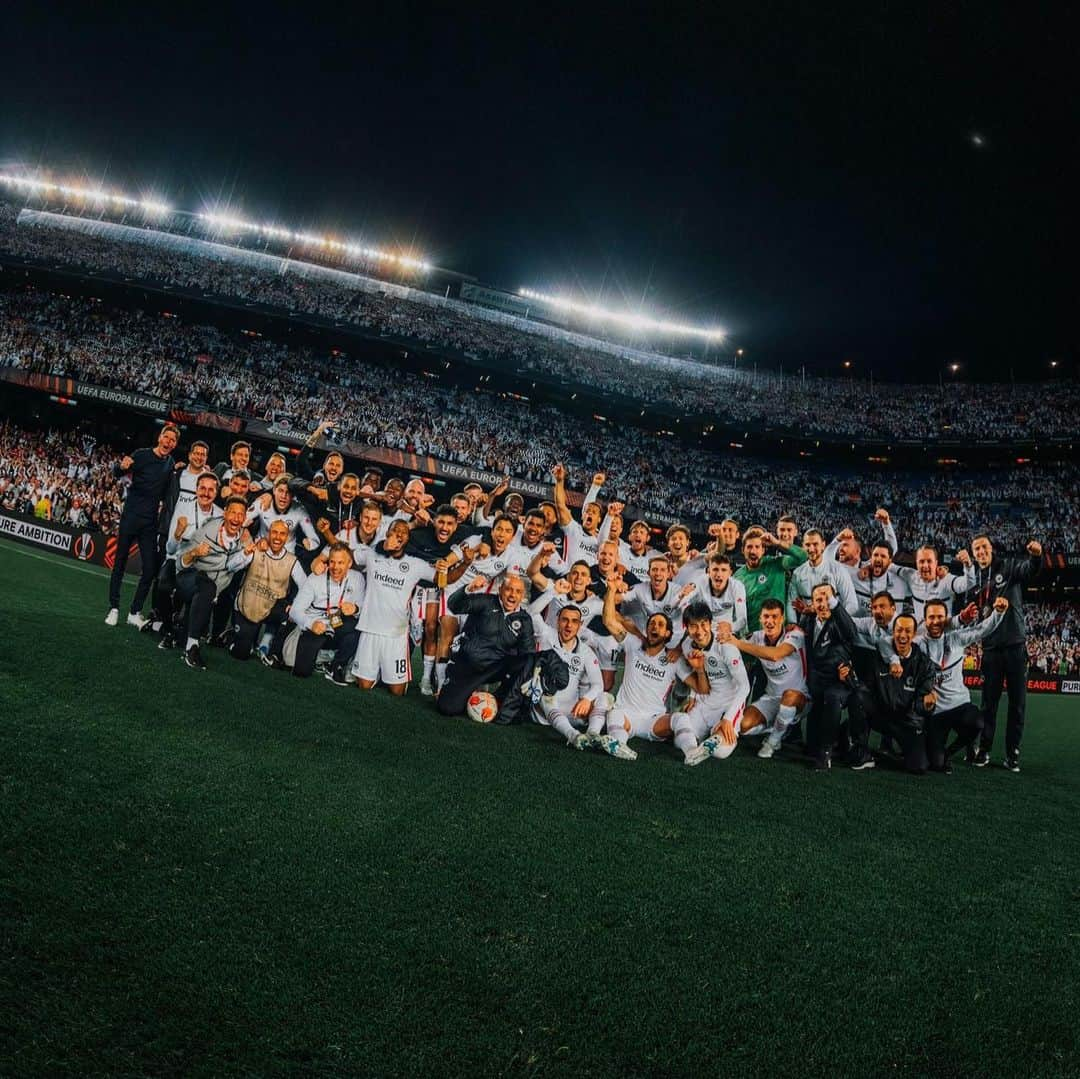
582	540
277	504
817	569
781	651
929	580
640	709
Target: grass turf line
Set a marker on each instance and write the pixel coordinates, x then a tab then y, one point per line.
235	872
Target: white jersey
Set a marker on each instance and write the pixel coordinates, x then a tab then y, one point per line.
637	564
390	582
586	681
646	680
320	597
805	578
578	545
295	517
492	568
185	501
518	557
789	672
726	606
639	604
946	653
868	634
946	589
890	581
591	607
729	684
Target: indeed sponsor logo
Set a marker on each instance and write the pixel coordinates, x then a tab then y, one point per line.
649	670
389	579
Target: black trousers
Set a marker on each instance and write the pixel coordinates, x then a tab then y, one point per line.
199	593
463	678
164	587
247	632
146	535
823	726
965	720
1000	665
344	641
897	725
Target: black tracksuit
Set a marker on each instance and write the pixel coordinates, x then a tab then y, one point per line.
1004	652
826	651
491	645
895	707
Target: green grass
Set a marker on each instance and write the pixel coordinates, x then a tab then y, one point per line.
233	873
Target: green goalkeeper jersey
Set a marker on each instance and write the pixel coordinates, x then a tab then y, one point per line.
767	580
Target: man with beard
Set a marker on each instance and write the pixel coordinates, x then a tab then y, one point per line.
954	711
262	599
765	576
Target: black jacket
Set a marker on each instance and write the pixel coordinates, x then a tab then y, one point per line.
832	647
491	635
515	707
1004	577
903	696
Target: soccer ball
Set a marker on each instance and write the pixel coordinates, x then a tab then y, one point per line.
482	708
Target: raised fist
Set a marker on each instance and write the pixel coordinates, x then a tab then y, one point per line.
1001	604
126	462
615	509
477	584
696	659
181	526
598	479
558	471
348	609
882	515
1034	548
963	557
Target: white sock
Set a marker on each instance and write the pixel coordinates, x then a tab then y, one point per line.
156	627
191	643
785	717
429	666
685	741
619	733
596	722
564	726
440	670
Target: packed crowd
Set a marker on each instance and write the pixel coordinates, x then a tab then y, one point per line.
1053	641
984	412
204	368
62	476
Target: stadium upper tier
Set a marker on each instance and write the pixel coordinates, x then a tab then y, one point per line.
203	368
666	387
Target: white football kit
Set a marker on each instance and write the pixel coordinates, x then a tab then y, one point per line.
642	697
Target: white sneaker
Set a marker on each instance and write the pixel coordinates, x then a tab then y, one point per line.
715	746
137	621
580	741
696	756
615	748
112	617
768	747
426	688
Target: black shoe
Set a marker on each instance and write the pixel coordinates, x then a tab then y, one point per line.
822	762
193	658
860	760
945	768
970	754
275	663
167	642
1012	761
220	641
337	677
982	758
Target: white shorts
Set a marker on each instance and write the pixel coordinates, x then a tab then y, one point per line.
385	658
769	707
635	724
607	651
427	596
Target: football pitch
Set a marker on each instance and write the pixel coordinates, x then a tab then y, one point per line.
238	873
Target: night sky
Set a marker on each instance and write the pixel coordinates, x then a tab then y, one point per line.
810	182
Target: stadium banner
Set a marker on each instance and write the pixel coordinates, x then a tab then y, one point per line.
409	462
69	387
206	419
93	547
1036	683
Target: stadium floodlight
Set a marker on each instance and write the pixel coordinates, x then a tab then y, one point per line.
626	319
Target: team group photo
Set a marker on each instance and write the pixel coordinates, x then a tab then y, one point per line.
537	544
